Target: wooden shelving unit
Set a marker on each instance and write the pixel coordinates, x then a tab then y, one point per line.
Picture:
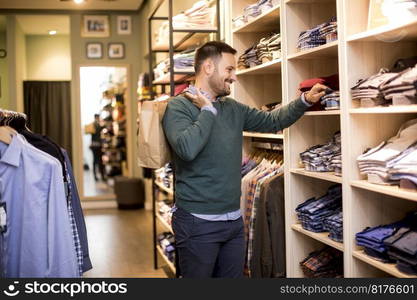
329	176
166	260
321	237
393	191
388	268
164	223
266	21
263	135
357	53
327	50
272	67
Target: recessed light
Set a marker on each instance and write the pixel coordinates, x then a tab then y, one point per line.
79	1
52	32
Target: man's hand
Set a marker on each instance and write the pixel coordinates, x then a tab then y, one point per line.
198	100
316	92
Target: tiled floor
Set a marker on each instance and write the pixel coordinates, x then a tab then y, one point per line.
120	243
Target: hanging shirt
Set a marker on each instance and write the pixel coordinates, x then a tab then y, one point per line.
38	241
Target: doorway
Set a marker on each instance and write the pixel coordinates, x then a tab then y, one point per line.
103	92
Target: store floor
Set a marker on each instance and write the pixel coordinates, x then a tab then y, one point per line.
95	188
120	243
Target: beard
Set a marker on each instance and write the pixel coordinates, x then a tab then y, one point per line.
219	85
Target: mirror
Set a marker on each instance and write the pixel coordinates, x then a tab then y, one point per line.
103	125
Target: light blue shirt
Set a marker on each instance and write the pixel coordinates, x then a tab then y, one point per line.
38	240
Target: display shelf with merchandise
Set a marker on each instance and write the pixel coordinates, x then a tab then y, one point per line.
268	20
321	237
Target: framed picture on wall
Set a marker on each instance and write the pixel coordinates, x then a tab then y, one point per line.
95	26
116	50
124	25
94	50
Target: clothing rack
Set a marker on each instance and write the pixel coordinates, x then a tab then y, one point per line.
179	39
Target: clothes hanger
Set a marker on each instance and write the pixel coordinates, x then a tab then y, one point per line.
6	134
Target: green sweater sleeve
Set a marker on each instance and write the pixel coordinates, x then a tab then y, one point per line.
262	121
186	136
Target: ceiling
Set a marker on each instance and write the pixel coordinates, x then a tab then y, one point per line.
41	24
70	5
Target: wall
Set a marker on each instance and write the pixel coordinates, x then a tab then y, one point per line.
132	44
16	50
48	57
4	75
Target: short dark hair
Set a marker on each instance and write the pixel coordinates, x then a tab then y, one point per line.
213	49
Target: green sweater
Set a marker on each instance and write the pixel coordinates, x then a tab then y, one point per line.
207	149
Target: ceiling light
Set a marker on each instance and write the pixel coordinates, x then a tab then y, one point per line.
52	32
79	1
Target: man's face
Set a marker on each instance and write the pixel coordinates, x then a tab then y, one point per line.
223	75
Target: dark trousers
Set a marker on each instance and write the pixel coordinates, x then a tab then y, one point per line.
208	248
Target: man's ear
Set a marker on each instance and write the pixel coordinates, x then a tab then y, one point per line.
208	67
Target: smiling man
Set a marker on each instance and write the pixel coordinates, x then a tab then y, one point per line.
204	128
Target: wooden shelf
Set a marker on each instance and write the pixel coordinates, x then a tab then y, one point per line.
394	191
165	189
329	176
164	223
263	135
167	261
265	22
321	237
388	268
183	41
307	1
388	33
323	113
177	77
271	67
329	50
401	109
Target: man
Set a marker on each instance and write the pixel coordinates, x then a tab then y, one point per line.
205	133
95	147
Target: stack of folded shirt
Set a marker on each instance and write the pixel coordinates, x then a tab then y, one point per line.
252	11
397	86
372	239
317	36
313	212
396	155
368	90
183	61
325	263
268	48
164	209
331	101
320	158
331	82
402	248
248	59
405	169
200	15
167	242
165	175
396	242
334	225
401	89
